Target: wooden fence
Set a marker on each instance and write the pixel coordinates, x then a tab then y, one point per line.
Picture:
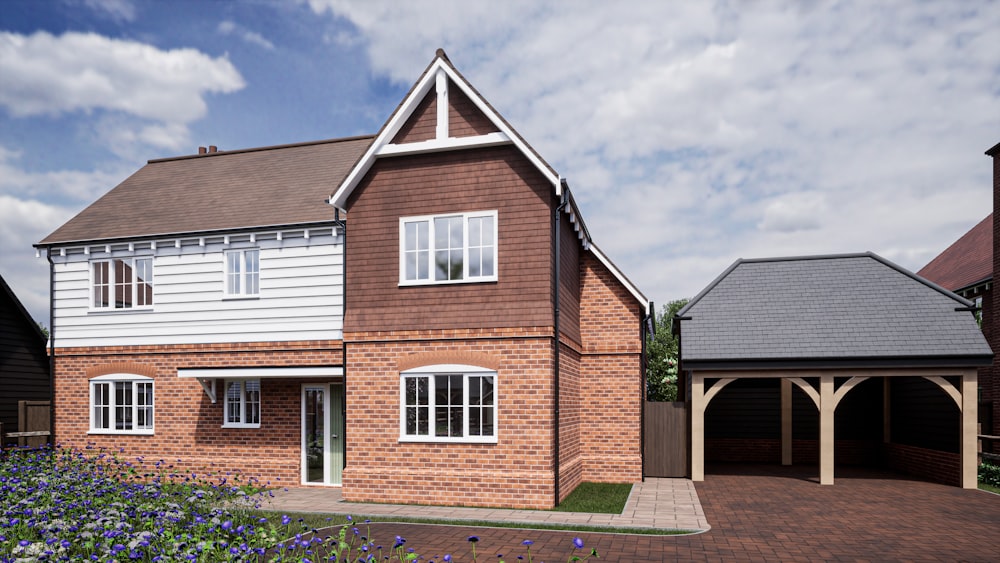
666	440
34	424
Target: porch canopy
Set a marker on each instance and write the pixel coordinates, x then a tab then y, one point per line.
809	320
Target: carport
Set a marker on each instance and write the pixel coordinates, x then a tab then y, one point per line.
825	324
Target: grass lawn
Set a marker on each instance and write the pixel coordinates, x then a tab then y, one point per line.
597	498
989	488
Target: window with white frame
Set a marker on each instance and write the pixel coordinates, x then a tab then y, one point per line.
121	404
448	403
122	283
242	403
460	247
243	272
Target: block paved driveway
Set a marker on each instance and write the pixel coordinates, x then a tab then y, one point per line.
763	513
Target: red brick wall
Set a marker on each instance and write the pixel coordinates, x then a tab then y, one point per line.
188	431
942	467
517	471
572	409
611	377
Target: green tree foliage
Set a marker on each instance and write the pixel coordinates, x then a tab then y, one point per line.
661	352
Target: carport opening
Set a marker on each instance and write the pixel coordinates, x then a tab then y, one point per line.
917	431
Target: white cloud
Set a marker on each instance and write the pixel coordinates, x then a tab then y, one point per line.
794	212
117	10
24	222
229	27
697	133
82	72
69	186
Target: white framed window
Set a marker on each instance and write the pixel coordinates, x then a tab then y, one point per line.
448	403
121	404
122	283
242	406
243	273
453	248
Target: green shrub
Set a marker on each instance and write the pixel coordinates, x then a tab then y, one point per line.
989	474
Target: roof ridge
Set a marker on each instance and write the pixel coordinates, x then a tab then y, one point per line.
259	149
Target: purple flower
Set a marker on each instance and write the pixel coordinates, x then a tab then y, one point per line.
447	557
227	525
473	539
527	542
285	520
578	543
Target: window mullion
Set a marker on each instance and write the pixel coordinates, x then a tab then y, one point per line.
135	400
465	246
134	283
466	384
431	250
243	403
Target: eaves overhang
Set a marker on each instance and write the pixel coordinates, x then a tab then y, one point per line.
833	363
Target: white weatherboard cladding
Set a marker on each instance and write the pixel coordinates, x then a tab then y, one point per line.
301	284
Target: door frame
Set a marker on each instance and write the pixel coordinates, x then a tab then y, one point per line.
328	413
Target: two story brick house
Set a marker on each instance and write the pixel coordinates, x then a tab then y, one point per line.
416	316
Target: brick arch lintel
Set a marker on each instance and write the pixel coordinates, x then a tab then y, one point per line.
121	367
449	357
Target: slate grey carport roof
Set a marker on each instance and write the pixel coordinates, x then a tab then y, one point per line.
839	311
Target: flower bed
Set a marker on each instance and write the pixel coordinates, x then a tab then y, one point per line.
67	505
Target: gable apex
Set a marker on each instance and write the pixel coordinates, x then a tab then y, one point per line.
438	78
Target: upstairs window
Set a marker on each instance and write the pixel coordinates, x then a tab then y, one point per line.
242	403
122	283
454	248
243	273
448	404
121	404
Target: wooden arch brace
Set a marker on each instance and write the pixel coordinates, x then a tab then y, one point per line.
838	394
948	388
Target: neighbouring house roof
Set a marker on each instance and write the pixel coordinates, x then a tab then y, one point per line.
967	262
33	329
262	187
854	310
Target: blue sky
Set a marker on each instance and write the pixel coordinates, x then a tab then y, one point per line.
692	134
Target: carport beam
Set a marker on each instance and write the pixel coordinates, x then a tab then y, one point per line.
827	406
970	478
786	421
697	427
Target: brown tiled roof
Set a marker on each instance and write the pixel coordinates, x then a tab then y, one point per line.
966	262
269	186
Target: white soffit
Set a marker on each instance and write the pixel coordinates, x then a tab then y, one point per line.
248	373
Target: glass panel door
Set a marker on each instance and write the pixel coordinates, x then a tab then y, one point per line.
322	434
313	435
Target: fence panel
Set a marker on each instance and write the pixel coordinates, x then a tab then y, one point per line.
34	422
666	440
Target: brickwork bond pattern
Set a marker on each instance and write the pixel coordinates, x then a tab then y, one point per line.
188	427
515	472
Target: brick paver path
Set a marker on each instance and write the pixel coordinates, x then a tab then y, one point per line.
769	514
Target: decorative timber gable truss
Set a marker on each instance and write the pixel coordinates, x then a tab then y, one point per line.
441	85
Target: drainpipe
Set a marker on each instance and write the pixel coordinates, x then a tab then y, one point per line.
52	348
342	225
557	218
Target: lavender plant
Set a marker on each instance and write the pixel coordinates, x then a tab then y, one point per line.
69	505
